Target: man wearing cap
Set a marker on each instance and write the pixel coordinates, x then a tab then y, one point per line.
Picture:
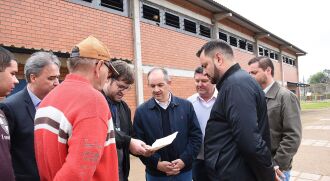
74	134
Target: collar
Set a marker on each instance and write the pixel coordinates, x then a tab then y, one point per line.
35	100
273	90
164	105
151	104
229	72
268	87
214	96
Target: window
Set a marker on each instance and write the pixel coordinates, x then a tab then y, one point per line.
189	26
113	4
223	36
172	20
205	31
276	56
261	51
266	52
242	44
249	47
293	62
150	13
233	41
272	55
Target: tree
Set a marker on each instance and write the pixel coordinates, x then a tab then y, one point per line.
319	77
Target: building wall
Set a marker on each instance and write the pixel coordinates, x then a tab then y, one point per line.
58	24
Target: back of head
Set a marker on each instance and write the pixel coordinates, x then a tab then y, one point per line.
263	63
126	73
5	58
37	61
213	46
87	53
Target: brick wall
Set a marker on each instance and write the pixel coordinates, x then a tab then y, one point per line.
57	25
168	48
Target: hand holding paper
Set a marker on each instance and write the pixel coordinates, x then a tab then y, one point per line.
162	142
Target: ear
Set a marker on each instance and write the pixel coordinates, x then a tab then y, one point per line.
169	82
33	77
269	70
218	59
97	69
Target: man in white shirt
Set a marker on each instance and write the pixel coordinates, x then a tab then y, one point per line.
203	102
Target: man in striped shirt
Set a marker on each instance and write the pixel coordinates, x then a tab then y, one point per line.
74	135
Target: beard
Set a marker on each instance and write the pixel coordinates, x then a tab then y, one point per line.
216	76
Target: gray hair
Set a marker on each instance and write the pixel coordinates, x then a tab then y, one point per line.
37	61
166	76
76	62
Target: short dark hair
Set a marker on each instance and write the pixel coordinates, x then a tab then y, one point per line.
263	63
5	58
126	73
199	70
212	45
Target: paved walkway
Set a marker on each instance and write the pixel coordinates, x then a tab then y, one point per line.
312	162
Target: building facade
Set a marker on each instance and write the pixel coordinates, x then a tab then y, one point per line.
163	33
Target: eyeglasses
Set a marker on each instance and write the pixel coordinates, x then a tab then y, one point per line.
122	87
110	67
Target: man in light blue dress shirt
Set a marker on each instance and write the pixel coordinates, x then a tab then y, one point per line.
42	73
203	102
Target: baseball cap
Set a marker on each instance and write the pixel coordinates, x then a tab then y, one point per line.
93	48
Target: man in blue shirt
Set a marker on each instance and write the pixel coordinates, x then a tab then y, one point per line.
161	116
42	74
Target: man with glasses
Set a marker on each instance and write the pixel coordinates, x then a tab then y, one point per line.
74	134
114	90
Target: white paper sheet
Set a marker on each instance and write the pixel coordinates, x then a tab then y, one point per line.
162	142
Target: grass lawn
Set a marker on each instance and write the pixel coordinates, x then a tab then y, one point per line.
307	105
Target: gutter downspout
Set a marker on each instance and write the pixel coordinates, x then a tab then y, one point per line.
137	52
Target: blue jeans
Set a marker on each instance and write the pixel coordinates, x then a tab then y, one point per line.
184	176
287	175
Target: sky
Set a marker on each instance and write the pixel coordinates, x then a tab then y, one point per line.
304	24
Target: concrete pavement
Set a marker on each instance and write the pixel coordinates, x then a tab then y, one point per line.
312	162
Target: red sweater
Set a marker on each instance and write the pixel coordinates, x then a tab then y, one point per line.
74	135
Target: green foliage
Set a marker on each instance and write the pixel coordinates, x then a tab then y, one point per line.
319	77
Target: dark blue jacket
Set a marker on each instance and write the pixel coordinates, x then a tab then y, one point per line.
237	138
20	112
147	126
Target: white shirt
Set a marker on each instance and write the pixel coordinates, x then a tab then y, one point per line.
203	110
164	105
268	87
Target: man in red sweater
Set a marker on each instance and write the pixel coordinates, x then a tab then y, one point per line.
74	134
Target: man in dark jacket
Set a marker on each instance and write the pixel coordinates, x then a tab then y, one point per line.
42	71
114	90
237	138
161	116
